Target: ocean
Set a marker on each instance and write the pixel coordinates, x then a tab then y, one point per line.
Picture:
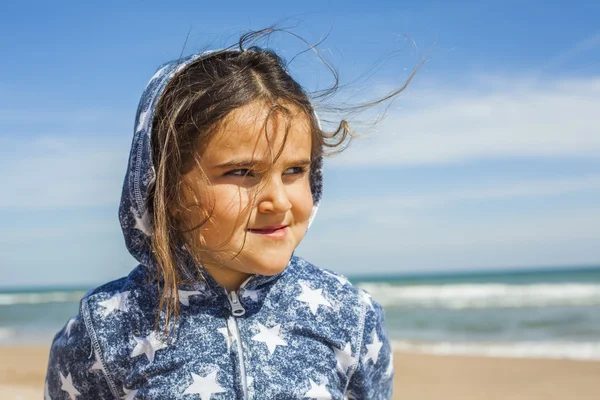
528	314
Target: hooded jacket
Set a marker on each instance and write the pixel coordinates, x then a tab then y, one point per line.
305	333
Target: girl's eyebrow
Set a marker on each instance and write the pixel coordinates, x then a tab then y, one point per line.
254	163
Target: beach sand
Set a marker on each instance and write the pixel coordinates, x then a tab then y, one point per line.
417	376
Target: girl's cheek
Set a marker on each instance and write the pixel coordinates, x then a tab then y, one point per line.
303	200
230	207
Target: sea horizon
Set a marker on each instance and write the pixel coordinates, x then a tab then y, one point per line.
359	277
525	313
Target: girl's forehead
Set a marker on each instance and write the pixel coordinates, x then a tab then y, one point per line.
252	130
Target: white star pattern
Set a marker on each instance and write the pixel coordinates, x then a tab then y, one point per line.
205	386
184	296
97	366
390	367
225	333
46	392
253	294
70	326
230	332
250	386
143	121
182	66
341	279
367	298
142	224
315	208
233	332
158	73
147	345
344	357
319	392
312	297
270	337
117	302
67	385
373	348
129	394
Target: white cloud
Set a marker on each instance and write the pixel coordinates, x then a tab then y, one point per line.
70	229
53	172
502	119
588	44
363	206
457	125
437	230
408	242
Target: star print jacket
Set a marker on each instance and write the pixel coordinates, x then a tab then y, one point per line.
305	333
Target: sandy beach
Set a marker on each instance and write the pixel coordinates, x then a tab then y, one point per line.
418	376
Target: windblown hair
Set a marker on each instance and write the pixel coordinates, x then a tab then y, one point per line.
190	112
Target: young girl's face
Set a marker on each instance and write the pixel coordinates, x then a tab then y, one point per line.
260	204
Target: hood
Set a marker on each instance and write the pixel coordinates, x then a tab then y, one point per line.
136	222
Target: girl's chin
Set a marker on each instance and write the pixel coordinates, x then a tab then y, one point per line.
270	266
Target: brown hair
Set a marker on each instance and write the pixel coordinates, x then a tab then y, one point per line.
191	110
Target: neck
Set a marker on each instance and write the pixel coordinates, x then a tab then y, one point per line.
230	279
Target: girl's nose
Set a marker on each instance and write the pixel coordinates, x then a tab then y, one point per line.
273	198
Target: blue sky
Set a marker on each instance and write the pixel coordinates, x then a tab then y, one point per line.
489	160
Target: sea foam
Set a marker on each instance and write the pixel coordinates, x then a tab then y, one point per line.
487	295
588	351
7	299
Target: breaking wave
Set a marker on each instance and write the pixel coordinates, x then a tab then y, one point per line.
492	295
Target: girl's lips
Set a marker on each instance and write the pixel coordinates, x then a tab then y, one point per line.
271	231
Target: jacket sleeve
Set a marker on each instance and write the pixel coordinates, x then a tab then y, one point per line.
373	377
73	371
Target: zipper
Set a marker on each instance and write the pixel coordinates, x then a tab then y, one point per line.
237	310
236	307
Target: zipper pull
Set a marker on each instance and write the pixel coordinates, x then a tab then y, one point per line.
236	307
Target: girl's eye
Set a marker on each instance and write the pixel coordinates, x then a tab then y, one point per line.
295	171
244	172
240	172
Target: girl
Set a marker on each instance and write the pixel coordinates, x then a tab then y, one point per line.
223	180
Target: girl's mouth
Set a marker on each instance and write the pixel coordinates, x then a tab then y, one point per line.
271	231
